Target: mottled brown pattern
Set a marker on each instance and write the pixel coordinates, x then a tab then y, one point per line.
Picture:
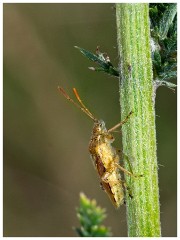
106	162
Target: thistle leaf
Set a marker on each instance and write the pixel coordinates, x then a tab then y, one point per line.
102	60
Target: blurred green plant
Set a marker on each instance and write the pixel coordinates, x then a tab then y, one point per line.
90	217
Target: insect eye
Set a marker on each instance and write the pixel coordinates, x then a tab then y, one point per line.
99	128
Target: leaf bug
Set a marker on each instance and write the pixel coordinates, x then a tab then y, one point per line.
104	155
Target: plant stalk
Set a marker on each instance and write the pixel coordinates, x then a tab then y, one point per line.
139	133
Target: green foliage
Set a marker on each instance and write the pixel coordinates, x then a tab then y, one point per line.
163	18
91	216
164	43
102	59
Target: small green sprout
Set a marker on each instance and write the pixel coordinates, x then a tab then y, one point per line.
91	216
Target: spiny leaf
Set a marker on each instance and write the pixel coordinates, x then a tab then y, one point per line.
166	21
102	59
164	43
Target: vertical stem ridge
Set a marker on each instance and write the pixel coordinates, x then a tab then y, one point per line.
139	136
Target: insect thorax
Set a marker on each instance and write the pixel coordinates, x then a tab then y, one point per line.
100	143
99	135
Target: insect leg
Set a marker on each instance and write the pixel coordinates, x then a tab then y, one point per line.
130	166
129	163
127	172
105	178
124	170
128	190
121	123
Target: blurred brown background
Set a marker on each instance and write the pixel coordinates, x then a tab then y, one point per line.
46	159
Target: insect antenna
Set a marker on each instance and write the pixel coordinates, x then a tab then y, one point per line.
81	106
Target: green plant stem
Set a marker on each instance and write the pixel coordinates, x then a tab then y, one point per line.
139	135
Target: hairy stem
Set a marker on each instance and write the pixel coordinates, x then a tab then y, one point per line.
139	133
